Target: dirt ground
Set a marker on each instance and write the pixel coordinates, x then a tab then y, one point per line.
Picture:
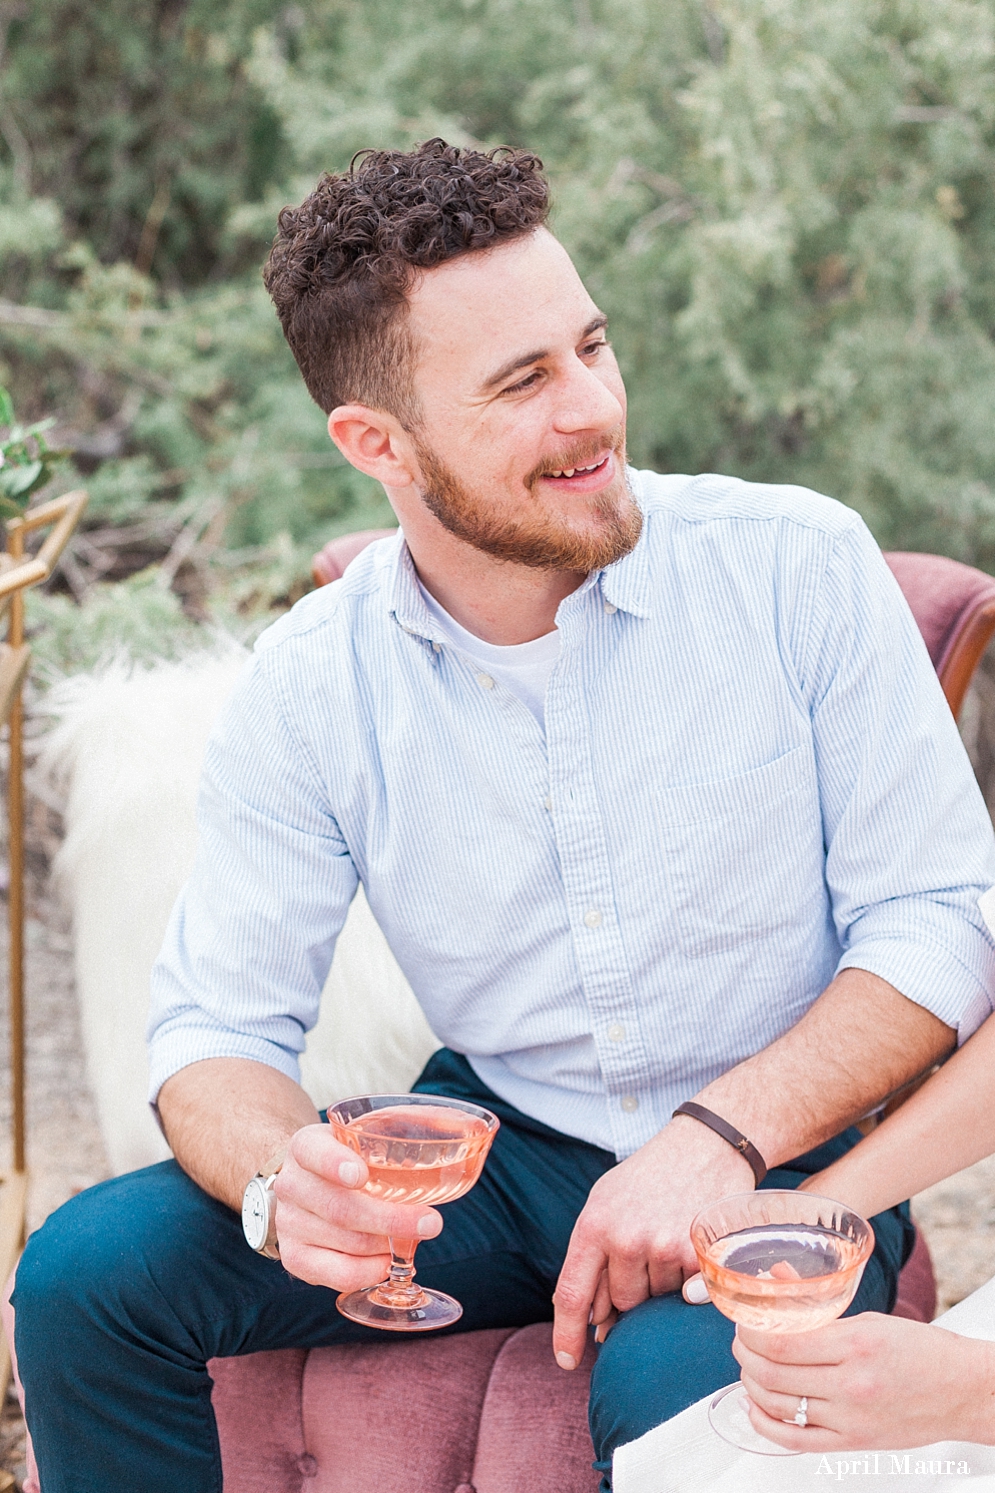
65	1152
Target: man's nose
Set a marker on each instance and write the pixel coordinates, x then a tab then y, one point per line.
587	403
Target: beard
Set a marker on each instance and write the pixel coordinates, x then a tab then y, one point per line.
543	539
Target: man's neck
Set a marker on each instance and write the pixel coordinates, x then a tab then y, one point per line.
496	600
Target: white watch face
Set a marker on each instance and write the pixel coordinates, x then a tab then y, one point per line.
255	1214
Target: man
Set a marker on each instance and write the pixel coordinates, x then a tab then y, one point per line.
654	793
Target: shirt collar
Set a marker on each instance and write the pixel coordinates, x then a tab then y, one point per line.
407	604
626	584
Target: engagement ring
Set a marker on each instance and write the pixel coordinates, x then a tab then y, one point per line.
801	1414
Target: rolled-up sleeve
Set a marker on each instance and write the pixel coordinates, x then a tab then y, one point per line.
252	935
909	843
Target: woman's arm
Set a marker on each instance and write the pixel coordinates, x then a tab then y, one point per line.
855	1372
947	1124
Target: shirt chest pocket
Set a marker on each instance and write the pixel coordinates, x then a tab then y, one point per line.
744	856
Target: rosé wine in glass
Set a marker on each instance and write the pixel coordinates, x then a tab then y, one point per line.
777	1261
746	1274
432	1175
418	1148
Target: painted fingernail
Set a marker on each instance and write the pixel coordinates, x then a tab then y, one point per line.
428	1226
695	1291
566	1360
349	1173
600	1333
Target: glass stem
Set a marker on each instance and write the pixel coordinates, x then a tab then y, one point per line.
402	1266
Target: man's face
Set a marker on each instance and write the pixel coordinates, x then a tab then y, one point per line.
518	388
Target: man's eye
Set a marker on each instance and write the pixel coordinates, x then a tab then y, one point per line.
525	383
594	347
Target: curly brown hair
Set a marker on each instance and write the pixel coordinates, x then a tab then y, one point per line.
344	261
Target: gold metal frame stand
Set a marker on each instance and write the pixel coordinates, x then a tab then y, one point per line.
17	573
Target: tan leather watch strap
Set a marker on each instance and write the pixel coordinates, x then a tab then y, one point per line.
271	1167
728	1132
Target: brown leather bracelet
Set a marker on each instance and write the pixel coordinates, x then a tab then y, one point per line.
728	1132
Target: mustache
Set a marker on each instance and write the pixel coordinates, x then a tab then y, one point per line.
584	454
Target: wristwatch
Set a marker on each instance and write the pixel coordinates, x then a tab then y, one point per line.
259	1208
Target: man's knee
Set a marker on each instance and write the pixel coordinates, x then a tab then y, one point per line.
658	1359
92	1262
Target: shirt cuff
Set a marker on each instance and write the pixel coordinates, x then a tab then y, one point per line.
927	974
180	1047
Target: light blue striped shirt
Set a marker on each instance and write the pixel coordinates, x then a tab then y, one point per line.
748	779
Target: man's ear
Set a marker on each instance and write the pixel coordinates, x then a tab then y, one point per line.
375	443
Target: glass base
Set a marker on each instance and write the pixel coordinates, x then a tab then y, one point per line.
729	1415
415	1310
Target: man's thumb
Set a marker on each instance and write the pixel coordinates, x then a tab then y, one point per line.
694	1290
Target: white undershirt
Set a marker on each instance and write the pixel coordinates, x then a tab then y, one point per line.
523	668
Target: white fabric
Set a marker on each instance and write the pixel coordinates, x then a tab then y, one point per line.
523	668
684	1455
127	752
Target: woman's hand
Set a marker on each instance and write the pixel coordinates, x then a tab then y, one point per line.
871	1382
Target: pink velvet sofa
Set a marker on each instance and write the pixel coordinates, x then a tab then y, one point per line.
484	1412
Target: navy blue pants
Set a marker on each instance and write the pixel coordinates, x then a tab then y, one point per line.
130	1288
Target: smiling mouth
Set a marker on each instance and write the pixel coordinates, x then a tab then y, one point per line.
580	471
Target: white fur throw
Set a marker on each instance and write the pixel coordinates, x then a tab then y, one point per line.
127	750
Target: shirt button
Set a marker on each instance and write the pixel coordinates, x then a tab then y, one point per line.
630	1103
616	1033
547	803
610	608
592	918
437	647
485	681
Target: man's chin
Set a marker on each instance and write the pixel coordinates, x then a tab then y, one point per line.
609	530
582	548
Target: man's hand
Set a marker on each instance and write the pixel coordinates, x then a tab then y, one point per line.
225	1116
331	1232
632	1239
